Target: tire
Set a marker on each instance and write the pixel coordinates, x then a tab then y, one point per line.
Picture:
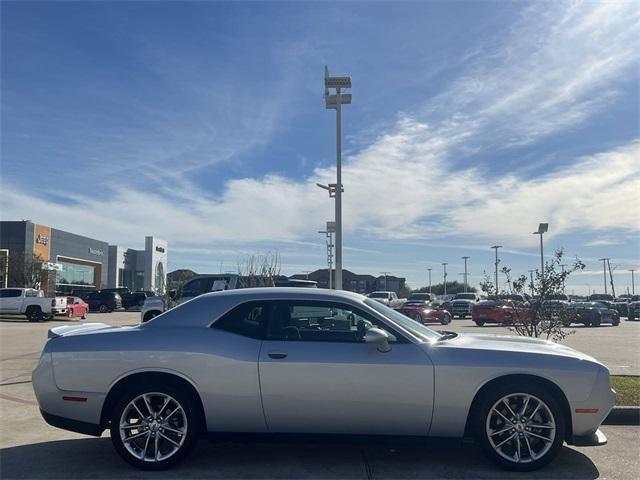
418	318
537	445
595	322
84	315
33	314
149	315
446	319
615	323
173	445
103	308
480	323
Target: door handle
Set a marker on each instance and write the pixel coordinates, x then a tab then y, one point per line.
277	355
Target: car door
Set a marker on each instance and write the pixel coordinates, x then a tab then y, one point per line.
11	300
318	376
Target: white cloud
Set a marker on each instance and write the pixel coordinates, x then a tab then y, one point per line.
559	67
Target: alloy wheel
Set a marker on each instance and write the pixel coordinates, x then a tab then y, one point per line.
153	427
520	428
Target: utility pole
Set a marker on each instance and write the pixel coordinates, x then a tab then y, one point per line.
445	277
613	288
385	279
429	279
496	247
465	272
633	282
531	278
604	272
562	265
335	101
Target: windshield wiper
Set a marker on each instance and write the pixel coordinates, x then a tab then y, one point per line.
446	335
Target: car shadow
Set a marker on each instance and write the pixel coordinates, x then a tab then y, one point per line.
95	458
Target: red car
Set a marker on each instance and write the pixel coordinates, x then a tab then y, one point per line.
76	307
422	312
497	310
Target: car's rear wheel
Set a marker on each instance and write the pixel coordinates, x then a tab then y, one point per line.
103	308
520	426
595	322
34	314
418	318
154	427
479	323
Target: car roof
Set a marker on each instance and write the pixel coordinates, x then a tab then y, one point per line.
289	292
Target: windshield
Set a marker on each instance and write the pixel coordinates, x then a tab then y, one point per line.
420	296
465	296
417	329
379	295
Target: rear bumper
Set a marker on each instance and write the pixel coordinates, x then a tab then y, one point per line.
72	425
596	439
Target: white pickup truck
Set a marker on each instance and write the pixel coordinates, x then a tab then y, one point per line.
32	303
390	299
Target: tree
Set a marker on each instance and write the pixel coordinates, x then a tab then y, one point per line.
24	270
438	288
544	317
259	270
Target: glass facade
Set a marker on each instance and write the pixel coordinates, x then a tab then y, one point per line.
74	274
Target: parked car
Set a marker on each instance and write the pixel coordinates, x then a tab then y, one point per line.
460	305
31	303
194	287
634	310
556	303
390	299
500	309
592	314
422	312
252	361
82	292
621	304
605	298
76	307
426	297
104	302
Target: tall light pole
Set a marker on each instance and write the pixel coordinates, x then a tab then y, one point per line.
465	272
633	282
385	279
445	277
542	229
604	272
496	247
429	279
335	102
329	235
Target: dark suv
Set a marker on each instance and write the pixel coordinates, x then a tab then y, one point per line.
130	299
104	301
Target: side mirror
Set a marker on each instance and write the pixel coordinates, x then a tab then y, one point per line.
378	337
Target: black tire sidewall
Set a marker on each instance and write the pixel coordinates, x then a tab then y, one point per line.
193	431
487	402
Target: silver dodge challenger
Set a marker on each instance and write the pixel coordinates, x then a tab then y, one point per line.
284	361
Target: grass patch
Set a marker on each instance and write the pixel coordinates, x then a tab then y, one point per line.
627	389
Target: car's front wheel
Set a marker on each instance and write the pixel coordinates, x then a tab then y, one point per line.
520	426
154	427
103	308
446	319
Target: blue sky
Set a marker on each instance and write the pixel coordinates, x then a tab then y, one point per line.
204	124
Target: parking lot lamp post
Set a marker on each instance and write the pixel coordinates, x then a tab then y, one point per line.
329	235
496	247
542	229
604	272
465	272
445	278
335	102
633	282
385	279
429	279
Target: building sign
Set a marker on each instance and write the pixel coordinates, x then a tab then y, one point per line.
42	239
160	249
96	251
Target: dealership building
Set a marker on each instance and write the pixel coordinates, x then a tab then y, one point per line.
70	261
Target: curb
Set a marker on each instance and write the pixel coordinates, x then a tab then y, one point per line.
623	416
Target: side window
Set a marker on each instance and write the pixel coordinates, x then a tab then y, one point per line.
192	288
10	293
248	320
31	293
322	322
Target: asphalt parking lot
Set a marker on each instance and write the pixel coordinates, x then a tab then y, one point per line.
29	448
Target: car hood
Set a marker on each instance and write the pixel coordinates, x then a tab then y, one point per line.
516	344
80	329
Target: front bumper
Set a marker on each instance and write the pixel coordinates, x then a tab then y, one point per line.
596	439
